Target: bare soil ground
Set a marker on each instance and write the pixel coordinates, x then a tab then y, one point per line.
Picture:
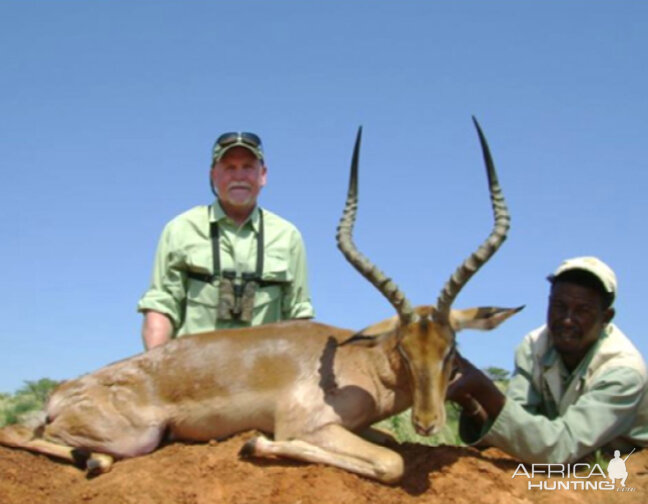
213	473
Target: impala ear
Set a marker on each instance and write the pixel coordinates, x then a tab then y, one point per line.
483	318
375	334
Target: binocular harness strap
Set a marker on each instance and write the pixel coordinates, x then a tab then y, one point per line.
214	236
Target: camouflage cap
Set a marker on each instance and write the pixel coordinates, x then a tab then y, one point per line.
228	141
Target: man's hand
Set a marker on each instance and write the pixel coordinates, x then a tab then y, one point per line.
474	391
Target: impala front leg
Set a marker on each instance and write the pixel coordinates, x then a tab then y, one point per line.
333	445
378	436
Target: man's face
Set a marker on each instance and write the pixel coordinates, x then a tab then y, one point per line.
575	319
238	178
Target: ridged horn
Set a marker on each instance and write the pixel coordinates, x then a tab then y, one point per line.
345	243
471	265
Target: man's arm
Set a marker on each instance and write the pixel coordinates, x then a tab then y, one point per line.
162	304
157	329
296	297
478	396
603	413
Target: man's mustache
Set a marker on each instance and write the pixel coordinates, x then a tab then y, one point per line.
239	185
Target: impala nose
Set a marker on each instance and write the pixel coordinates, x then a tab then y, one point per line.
425	429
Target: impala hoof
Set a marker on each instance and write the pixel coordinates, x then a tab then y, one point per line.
98	464
249	449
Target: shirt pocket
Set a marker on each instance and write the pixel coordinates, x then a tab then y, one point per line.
199	261
201	308
268	300
276	269
203	293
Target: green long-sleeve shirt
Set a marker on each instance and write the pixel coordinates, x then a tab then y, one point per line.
185	246
553	416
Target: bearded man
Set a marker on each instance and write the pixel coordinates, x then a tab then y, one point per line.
229	264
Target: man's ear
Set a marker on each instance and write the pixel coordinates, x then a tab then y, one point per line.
483	318
608	315
264	174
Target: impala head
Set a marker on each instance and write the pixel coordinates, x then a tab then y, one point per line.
425	336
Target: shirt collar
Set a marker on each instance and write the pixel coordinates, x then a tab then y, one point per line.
550	357
217	214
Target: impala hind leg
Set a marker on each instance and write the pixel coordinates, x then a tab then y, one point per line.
333	445
94	444
94	463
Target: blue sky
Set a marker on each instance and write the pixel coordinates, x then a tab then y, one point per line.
109	110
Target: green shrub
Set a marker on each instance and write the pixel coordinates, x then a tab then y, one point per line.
400	426
29	397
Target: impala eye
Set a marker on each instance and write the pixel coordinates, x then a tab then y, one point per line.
449	359
451	353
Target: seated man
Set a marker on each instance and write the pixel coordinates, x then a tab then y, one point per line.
579	383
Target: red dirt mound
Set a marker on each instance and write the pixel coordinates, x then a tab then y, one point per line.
213	473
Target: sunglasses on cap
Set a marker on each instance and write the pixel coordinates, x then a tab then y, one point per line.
233	137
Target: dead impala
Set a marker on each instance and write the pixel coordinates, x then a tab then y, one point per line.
317	388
